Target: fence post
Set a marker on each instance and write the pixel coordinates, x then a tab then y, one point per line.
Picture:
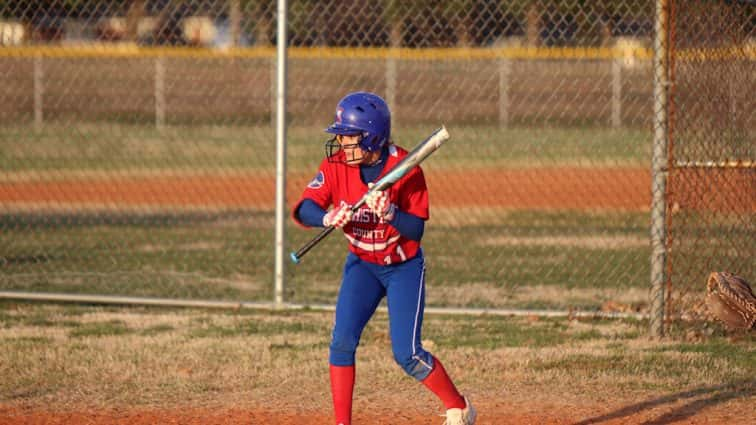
38	92
616	92
159	92
273	88
505	72
392	64
281	216
659	170
391	81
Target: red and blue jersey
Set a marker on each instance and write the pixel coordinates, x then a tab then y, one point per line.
370	237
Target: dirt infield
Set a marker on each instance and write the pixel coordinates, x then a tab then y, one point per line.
578	188
682	408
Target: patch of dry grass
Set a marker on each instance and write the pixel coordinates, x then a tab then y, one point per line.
57	356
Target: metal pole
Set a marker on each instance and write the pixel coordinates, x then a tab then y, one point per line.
505	72
234	18
391	81
616	92
659	169
39	90
236	305
280	153
159	92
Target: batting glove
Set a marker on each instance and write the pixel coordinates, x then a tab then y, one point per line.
338	216
380	204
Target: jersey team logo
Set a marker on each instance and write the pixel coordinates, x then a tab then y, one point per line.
318	181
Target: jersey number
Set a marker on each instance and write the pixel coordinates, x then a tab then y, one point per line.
400	251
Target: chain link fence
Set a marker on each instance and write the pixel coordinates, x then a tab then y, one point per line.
712	148
138	145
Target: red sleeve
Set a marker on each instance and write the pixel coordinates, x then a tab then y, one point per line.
318	190
413	197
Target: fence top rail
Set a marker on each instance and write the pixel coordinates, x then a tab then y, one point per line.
130	50
453	53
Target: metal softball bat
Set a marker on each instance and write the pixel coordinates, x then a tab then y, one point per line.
422	151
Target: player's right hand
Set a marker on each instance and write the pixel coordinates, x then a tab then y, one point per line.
338	216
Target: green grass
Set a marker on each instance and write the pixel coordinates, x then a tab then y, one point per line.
523	259
488	333
97	329
230	257
252	327
225	257
738	356
538	249
90	147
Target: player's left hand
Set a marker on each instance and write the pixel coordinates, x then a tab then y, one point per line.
380	203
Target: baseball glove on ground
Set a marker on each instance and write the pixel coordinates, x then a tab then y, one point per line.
731	300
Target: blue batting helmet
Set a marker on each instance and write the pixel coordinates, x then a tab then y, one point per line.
365	114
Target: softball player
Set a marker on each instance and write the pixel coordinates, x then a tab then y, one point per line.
385	258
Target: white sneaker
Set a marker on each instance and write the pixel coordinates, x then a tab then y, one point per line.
464	416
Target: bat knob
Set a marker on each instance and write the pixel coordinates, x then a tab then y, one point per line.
294	258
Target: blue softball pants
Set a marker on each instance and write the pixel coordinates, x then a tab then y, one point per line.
363	286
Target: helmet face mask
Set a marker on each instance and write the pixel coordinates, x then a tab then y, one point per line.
334	149
364	114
